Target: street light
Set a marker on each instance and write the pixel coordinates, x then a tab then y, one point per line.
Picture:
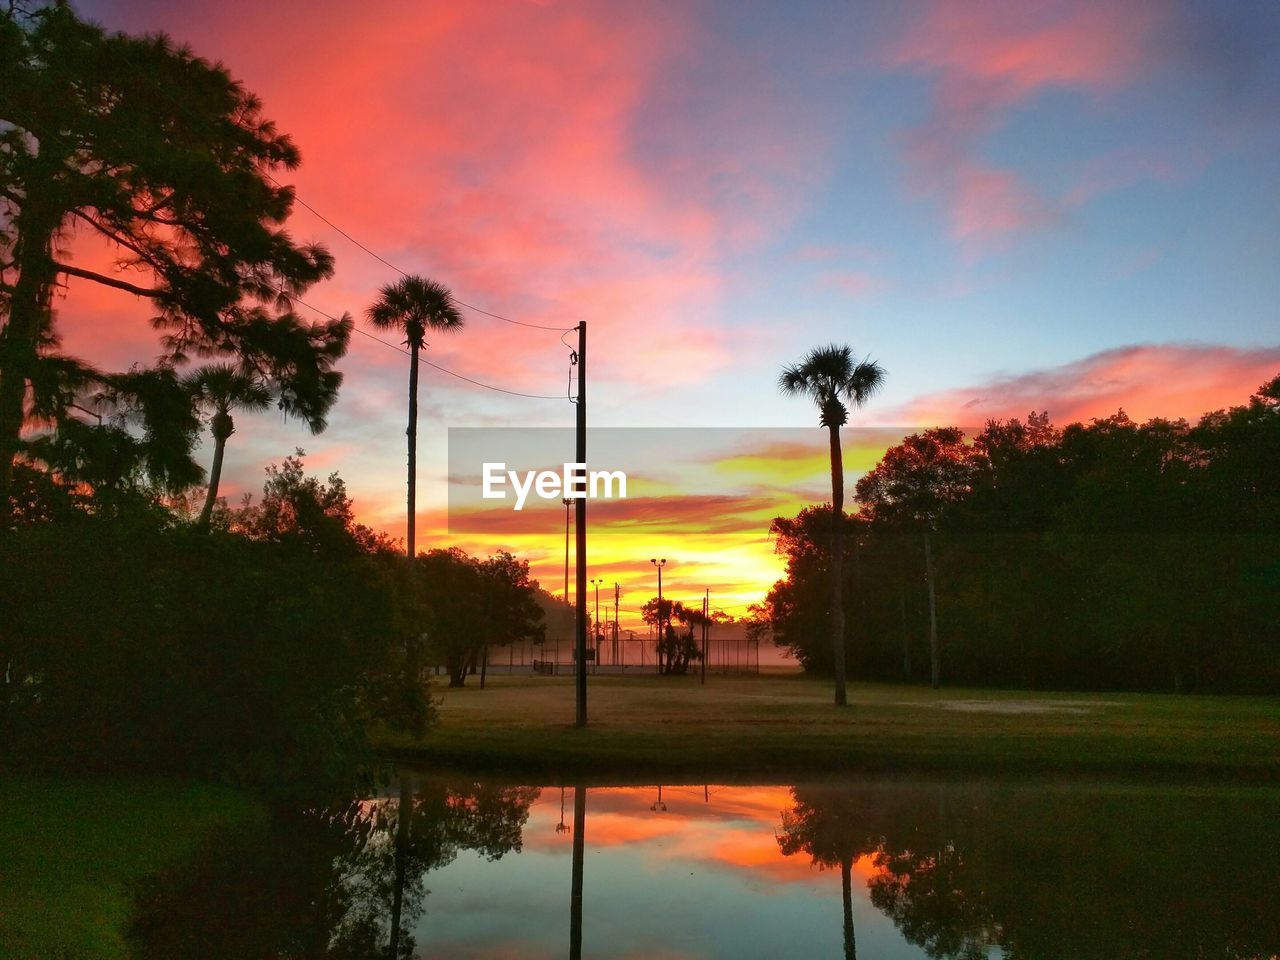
596	631
658	806
661	636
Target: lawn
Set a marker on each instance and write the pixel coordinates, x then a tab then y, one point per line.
71	851
643	727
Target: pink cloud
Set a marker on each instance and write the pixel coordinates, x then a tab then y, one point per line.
855	284
519	158
986	59
1149	380
990	203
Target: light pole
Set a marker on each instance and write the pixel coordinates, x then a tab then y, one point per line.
658	806
596	630
661	636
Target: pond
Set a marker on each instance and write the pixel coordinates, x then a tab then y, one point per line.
882	868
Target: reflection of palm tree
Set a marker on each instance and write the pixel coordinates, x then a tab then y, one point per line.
830	376
846	892
830	825
404	816
412	306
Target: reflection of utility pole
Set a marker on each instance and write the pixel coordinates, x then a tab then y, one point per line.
575	893
658	806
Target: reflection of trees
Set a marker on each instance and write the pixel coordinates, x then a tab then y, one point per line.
924	894
1049	873
324	884
829	824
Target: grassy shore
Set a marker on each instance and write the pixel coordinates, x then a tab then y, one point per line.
785	726
72	850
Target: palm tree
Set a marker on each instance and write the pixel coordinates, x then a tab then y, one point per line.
830	376
221	388
412	306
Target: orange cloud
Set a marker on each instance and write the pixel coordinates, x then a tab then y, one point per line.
1150	380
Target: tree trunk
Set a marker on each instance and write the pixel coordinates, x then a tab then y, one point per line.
935	657
456	666
906	638
412	436
28	315
846	891
404	813
837	567
484	665
223	427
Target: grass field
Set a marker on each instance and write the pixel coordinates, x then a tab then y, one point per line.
644	727
71	851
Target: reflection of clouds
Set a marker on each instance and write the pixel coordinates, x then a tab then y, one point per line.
734	830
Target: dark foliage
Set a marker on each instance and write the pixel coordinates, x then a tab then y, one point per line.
1047	873
168	160
1104	555
256	652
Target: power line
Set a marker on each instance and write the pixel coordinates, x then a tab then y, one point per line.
434	366
383	260
487	386
373	253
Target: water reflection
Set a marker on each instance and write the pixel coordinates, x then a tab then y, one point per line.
969	870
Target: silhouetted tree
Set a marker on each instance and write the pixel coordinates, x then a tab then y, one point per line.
912	484
1111	554
512	612
412	306
676	649
169	160
832	376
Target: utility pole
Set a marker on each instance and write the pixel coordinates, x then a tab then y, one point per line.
596	632
580	677
617	594
567	502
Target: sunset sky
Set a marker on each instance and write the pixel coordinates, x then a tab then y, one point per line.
1011	206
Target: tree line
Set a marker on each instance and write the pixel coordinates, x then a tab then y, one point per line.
261	648
1106	555
144	624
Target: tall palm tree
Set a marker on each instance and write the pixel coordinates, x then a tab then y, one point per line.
220	388
832	376
411	306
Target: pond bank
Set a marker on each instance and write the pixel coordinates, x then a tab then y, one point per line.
74	849
651	728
